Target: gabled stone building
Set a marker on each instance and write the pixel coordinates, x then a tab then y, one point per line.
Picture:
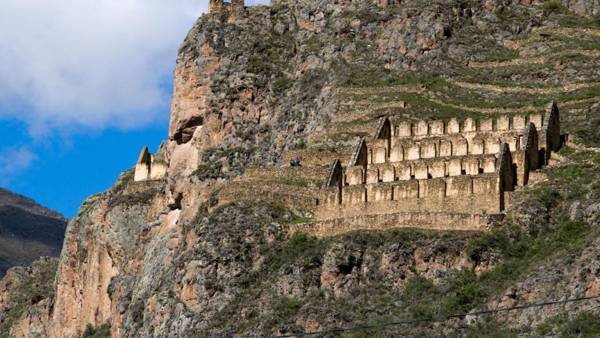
149	166
451	175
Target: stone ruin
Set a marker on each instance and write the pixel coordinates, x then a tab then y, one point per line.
236	6
382	3
221	6
149	167
436	175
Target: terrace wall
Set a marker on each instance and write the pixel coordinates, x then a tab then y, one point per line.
461	194
423	129
424	220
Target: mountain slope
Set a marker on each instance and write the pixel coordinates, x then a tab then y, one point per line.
207	251
27	231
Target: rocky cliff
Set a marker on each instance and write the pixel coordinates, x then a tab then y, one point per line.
182	257
27	231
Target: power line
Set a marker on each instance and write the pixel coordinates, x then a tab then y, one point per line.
437	319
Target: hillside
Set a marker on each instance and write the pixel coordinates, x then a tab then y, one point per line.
27	231
216	248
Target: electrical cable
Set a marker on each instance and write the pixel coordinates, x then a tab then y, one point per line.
437	319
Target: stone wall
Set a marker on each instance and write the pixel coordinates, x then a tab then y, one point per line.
149	167
551	128
307	174
461	194
469	126
425	220
316	157
424	173
293	197
444	146
220	6
430	168
342	3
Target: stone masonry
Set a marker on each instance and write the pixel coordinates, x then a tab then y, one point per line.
220	6
446	175
149	167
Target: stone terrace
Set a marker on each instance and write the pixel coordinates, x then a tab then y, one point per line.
438	175
454	175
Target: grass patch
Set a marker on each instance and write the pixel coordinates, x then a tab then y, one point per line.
295	182
282	84
284	308
491	328
35	287
580	176
102	331
584	325
300	245
347	136
465	292
550	7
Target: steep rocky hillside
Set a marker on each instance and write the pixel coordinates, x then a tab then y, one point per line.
207	251
27	231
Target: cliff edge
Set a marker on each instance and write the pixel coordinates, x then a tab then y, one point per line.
211	249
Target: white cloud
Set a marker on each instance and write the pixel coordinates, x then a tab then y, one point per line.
13	161
90	63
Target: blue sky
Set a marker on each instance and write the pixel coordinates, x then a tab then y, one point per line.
85	84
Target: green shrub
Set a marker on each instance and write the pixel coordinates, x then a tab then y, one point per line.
102	331
284	308
282	84
545	195
596	160
492	240
365	333
300	244
467	293
30	291
421	311
549	324
585	325
417	288
571	231
300	145
490	329
553	7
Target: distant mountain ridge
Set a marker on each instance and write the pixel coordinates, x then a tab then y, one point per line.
28	231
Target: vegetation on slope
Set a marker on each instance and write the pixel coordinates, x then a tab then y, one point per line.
31	285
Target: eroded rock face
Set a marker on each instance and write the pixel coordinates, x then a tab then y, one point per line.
84	275
583	7
249	87
25	297
148	259
571	276
102	243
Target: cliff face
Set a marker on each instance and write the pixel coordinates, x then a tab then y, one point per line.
250	86
27	231
309	78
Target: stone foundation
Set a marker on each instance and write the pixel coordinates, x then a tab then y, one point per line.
427	220
442	175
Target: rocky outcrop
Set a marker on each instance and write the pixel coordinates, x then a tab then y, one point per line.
250	87
589	8
25	294
165	258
